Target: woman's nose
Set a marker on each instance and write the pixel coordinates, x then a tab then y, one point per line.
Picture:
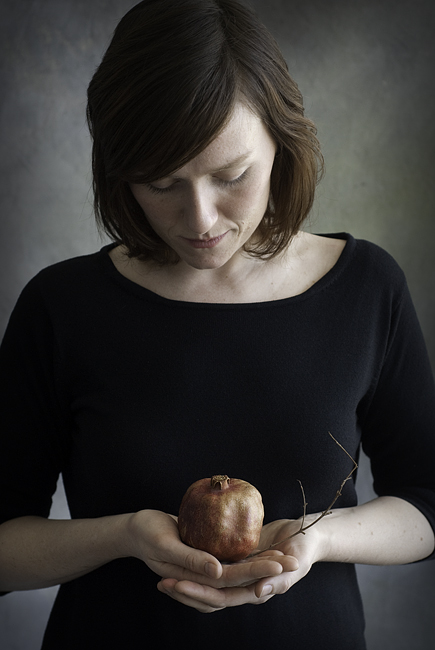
201	211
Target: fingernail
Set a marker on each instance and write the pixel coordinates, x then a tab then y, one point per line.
267	589
210	569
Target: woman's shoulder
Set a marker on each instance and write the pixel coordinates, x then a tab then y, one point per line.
355	265
359	255
62	281
378	263
70	270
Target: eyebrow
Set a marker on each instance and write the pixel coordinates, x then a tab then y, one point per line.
233	163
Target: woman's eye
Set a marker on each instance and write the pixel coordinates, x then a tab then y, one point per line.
234	181
220	181
159	190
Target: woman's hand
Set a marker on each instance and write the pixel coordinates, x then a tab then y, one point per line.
284	535
195	577
244	582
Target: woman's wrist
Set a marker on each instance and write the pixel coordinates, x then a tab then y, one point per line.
131	533
314	525
139	531
329	529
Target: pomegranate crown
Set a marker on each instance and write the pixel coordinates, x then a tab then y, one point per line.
220	481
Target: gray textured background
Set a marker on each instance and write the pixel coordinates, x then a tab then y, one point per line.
366	69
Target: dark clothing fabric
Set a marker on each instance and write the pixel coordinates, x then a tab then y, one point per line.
133	397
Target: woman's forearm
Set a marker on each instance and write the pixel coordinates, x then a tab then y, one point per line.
387	530
37	552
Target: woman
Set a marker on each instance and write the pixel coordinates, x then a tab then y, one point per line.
212	336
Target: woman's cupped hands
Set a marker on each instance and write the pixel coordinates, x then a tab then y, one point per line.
197	579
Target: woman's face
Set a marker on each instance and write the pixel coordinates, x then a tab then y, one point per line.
209	208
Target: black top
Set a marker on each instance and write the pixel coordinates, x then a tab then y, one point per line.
133	397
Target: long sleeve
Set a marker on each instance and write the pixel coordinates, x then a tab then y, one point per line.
33	438
399	420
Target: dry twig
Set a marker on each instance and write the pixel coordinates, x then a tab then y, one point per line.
302	527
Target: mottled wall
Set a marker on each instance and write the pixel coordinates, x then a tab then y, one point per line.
366	69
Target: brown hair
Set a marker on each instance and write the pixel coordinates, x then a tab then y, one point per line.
166	88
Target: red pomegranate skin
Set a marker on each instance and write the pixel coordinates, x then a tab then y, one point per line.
222	516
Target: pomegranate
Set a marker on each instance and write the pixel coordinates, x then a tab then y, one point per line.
222	516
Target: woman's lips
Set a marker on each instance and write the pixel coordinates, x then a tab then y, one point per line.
205	243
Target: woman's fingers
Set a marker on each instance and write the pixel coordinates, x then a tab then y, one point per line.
248	582
190	563
208	599
199	601
275	586
185	563
249	571
161	548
